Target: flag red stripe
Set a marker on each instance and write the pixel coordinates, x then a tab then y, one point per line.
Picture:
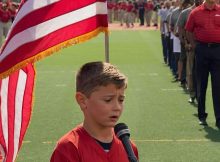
43	14
11	112
79	28
14	102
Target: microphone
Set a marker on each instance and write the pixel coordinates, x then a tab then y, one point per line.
123	133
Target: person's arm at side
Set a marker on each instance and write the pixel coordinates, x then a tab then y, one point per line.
190	25
168	27
190	38
171	24
167	23
161	25
180	27
181	34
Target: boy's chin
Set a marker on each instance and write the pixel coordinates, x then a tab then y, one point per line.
111	125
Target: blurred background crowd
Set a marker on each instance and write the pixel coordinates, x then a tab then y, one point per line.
8	10
129	12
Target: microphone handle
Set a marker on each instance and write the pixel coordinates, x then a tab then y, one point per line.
133	159
127	145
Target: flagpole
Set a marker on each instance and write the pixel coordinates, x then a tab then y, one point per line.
106	47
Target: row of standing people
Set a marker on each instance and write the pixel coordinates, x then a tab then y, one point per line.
191	47
129	12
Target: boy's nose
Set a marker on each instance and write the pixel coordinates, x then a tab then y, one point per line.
117	106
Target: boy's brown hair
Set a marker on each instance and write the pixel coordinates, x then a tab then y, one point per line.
94	74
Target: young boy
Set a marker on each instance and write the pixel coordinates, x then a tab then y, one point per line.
100	94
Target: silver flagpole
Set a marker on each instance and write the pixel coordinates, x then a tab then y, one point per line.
106	47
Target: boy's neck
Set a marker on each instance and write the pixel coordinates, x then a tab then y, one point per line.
102	134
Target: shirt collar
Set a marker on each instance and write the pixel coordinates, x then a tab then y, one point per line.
204	6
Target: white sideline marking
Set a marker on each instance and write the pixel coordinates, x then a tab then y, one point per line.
54	71
172	89
153	74
26	142
61	85
172	140
145	140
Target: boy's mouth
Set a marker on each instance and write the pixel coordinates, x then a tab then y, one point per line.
114	117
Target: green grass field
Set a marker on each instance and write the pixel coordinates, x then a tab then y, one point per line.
162	124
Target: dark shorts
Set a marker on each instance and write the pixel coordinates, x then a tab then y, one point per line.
177	56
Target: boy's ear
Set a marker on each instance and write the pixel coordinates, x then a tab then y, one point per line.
81	100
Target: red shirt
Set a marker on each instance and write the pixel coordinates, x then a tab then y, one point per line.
116	6
205	24
123	6
12	12
130	7
110	5
149	6
5	16
79	146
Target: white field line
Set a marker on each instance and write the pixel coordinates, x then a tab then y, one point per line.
61	85
172	89
55	71
145	140
173	140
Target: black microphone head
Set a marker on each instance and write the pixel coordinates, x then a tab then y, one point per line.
121	130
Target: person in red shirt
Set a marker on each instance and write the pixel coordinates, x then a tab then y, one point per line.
122	11
115	12
13	9
5	21
149	6
203	30
100	89
110	6
129	15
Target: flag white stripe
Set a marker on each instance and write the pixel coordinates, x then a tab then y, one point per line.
52	25
4	109
29	7
22	78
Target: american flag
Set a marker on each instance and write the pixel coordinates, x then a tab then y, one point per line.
40	28
16	93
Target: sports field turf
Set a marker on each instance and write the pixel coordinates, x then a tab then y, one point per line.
162	124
